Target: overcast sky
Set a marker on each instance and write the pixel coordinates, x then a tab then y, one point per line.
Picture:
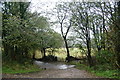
45	7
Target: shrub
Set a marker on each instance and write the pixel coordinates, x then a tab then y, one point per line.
105	56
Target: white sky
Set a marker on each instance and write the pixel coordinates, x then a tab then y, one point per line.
61	0
45	7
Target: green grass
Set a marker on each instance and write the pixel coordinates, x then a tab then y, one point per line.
107	73
100	71
12	71
14	68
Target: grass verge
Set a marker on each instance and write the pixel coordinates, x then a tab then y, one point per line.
15	68
100	71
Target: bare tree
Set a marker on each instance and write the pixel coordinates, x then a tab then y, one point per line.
65	21
80	13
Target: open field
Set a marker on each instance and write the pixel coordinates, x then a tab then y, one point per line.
61	53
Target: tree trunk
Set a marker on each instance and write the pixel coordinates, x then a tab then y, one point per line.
12	53
43	51
88	41
67	49
95	31
5	49
33	57
103	34
89	53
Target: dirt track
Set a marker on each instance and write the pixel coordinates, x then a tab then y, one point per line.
54	73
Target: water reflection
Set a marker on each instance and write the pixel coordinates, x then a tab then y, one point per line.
53	65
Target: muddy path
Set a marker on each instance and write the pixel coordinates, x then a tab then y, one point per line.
54	71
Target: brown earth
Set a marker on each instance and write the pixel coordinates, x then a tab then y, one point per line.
53	73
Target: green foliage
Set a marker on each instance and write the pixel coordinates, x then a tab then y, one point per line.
17	34
105	56
105	70
37	21
107	73
24	32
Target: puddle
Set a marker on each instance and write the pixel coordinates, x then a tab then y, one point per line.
53	65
